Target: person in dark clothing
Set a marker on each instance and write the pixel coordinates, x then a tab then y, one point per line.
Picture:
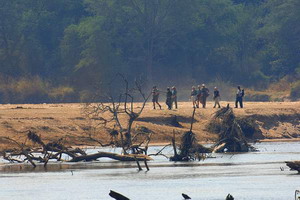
239	97
204	95
194	97
155	95
169	99
198	96
217	97
174	96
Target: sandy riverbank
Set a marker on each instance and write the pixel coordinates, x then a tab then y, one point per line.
278	121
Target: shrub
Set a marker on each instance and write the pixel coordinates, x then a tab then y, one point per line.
33	90
295	91
258	97
63	94
86	96
24	90
259	80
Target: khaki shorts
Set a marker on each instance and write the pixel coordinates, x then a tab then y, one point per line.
193	98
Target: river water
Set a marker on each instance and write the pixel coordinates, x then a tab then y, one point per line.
255	175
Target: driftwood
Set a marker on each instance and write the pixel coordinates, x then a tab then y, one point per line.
231	136
293	165
229	197
117	195
185	196
55	150
127	157
189	148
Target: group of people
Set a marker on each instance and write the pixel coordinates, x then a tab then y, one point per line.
198	97
171	97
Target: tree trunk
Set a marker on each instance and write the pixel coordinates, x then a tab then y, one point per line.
128	157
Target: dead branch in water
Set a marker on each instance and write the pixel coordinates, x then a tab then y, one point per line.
95	156
117	195
231	136
55	150
189	148
293	165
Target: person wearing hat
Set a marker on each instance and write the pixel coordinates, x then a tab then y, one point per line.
194	98
169	99
155	95
174	96
217	97
204	94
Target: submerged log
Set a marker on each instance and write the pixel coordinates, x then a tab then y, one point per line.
189	148
293	165
117	195
229	197
127	157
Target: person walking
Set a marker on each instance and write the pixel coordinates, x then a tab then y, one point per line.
239	97
198	96
194	97
174	96
204	95
169	99
217	97
155	95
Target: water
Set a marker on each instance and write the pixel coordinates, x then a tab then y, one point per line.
250	176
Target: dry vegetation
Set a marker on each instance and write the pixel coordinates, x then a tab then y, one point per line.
276	120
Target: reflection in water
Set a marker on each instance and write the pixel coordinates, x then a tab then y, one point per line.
246	176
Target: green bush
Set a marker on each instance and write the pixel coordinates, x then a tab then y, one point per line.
295	91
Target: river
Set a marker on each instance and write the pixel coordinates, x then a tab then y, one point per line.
255	175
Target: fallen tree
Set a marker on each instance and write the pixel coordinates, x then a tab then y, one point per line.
115	156
55	150
110	110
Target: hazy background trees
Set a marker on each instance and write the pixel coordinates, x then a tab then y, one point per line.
70	47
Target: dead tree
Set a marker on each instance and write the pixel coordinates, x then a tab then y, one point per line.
114	108
189	148
231	136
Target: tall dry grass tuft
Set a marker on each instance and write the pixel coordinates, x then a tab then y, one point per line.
33	90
